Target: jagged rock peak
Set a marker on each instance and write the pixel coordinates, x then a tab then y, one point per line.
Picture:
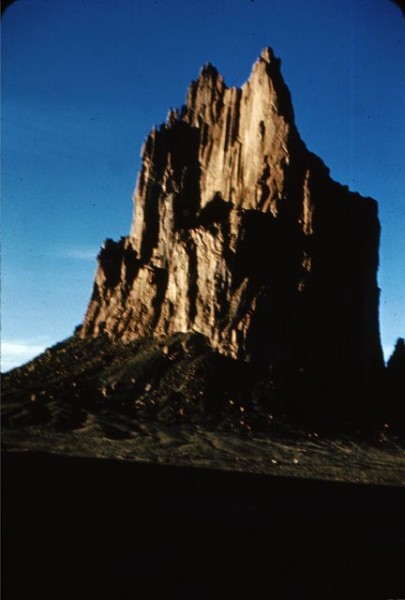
239	234
267	55
209	71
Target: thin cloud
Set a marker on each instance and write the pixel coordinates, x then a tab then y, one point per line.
79	253
17	353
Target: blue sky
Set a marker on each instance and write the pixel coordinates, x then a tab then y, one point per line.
84	81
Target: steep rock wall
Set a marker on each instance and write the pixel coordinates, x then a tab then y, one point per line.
241	235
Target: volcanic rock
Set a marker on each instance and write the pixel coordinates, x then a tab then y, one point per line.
241	235
394	389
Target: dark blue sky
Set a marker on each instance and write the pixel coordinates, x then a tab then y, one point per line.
84	81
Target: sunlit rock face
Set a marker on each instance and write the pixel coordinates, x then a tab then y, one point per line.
241	235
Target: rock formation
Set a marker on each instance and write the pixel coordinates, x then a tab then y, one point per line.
394	389
240	235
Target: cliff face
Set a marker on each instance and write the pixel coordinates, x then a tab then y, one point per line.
240	234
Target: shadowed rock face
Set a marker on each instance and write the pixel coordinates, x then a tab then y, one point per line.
395	388
241	235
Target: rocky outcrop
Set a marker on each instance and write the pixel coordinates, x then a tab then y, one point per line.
240	235
394	389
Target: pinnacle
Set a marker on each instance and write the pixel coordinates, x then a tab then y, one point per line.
267	54
209	70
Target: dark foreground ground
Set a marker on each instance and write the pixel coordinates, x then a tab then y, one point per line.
94	528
